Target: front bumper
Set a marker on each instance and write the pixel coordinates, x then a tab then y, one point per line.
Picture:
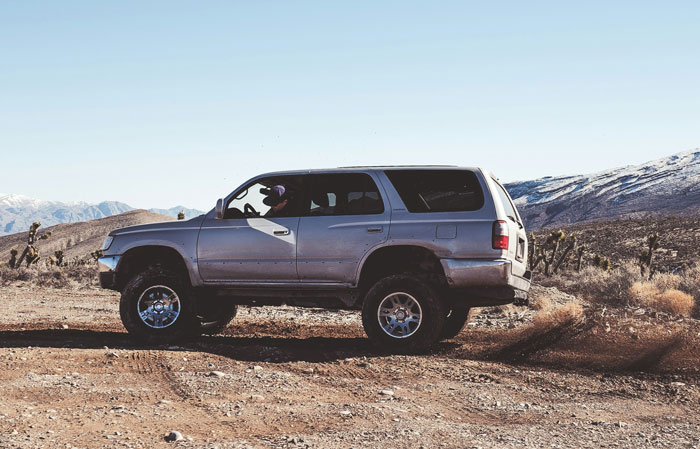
486	282
107	267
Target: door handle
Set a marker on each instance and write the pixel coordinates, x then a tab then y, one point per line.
374	229
285	232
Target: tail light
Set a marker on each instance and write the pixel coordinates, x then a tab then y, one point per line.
500	235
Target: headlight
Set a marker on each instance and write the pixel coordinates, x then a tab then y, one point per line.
107	243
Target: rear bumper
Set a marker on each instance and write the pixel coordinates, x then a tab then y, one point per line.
107	267
486	282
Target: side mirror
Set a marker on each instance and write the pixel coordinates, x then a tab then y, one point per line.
220	209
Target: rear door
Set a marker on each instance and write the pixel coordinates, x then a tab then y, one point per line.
345	217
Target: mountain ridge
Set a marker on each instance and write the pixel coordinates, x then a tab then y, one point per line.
18	212
665	186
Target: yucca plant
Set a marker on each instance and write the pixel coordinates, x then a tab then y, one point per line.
30	255
13	258
646	255
553	241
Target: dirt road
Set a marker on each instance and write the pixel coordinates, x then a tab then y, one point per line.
71	377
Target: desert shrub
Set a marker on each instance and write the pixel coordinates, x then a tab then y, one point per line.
667	281
596	285
557	316
541	302
83	274
56	277
690	283
52	278
648	294
8	275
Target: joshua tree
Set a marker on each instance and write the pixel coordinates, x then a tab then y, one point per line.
579	255
30	253
13	257
533	250
553	241
96	254
570	247
59	257
181	215
646	255
601	262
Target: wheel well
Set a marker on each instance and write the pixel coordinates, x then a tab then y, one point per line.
139	259
399	259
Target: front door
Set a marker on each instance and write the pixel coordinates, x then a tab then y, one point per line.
257	238
345	217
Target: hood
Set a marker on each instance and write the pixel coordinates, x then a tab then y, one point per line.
195	223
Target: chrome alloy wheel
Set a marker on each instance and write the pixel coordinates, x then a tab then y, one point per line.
399	315
158	307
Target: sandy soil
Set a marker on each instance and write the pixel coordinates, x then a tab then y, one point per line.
284	377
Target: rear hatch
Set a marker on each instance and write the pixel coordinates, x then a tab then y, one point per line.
517	238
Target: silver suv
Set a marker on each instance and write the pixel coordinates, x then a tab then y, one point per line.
414	248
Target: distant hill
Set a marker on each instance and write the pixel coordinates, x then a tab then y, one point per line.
18	212
78	239
173	211
667	186
624	239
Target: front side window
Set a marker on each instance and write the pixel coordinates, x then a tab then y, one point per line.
438	190
344	194
277	196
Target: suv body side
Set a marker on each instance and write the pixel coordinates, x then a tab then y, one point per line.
329	252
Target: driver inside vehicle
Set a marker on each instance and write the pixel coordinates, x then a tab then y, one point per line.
277	199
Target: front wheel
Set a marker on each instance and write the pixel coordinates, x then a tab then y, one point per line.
156	307
403	313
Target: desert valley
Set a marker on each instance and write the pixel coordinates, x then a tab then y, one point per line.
605	354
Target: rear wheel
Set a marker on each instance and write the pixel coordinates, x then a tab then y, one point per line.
404	313
455	321
215	316
157	307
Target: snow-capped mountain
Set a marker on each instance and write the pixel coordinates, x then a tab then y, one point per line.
18	212
667	186
173	211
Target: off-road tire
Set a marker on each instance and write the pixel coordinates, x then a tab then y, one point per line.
212	324
432	311
180	329
455	321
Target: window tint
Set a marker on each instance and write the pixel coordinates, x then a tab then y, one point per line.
505	199
257	199
344	194
437	190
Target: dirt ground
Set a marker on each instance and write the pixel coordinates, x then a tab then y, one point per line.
284	377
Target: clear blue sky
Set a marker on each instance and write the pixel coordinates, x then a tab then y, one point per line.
163	103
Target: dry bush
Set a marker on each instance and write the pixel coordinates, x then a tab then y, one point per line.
552	317
51	278
598	285
690	283
648	294
85	275
56	277
8	275
541	302
667	281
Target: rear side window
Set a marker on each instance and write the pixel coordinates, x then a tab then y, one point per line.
505	199
344	194
438	190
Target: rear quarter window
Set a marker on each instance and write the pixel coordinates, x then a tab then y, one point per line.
438	190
